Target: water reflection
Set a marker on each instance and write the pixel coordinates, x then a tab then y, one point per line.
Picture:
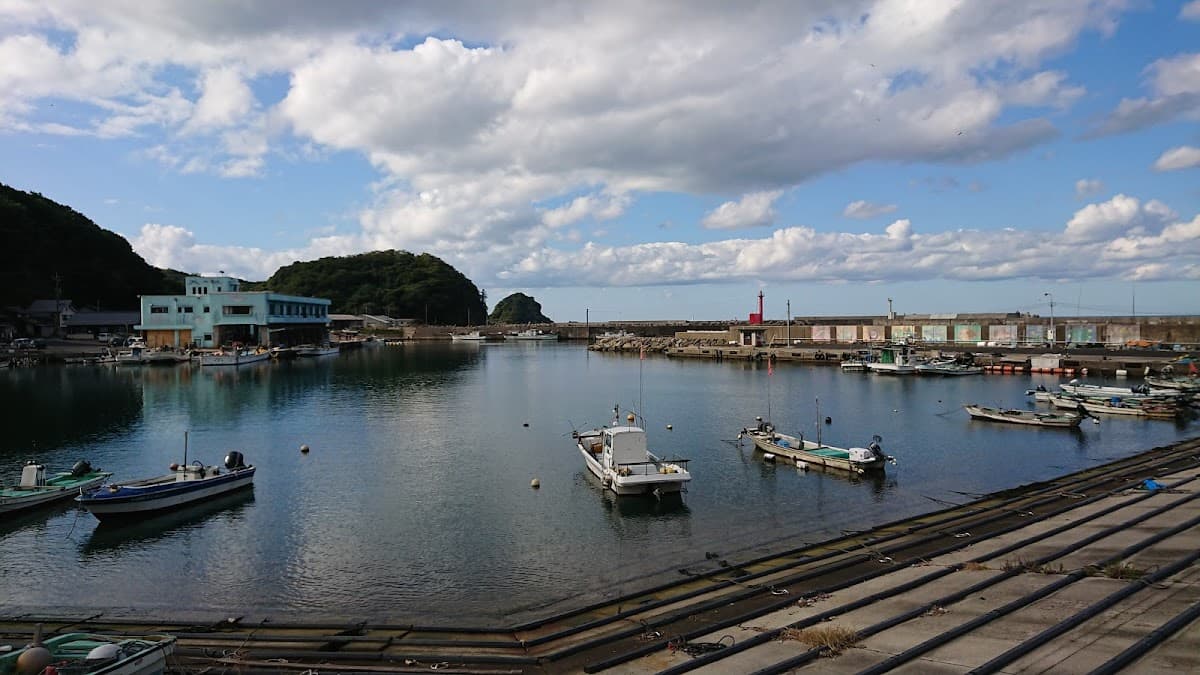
49	408
116	536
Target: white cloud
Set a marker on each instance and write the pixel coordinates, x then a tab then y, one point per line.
1086	187
1191	11
599	207
755	209
1176	85
863	209
226	98
1183	157
1097	222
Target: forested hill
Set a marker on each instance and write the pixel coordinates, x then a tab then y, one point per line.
396	283
518	308
42	239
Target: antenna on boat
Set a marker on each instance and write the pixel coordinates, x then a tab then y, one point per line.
185	435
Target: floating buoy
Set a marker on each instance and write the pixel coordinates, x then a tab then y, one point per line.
535	483
828	420
304	449
174	466
895	410
802	466
669	427
525	424
1095	421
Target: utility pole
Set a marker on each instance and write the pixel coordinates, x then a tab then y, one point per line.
1052	334
891	314
587	324
789	323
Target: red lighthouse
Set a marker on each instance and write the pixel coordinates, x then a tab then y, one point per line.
756	319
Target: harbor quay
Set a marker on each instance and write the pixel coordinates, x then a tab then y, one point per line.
1093	571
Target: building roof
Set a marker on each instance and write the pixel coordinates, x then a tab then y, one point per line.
49	306
345	317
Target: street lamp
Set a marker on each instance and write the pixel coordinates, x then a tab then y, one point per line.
1051	296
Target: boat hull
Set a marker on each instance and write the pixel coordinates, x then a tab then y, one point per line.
1026	417
138	655
14	500
892	368
764	443
233	359
656	484
127	501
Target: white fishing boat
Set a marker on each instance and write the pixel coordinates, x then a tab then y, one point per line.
531	334
947	368
1189	384
1029	417
35	489
809	453
857	363
316	350
90	654
1078	388
473	336
1117	406
895	360
134	356
619	457
234	357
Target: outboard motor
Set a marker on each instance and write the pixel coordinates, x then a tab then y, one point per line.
234	460
873	446
81	468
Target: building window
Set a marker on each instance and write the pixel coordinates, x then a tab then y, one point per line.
208	337
230	310
187	309
206	309
159	309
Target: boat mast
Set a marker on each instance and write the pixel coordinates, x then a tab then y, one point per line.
818	422
185	435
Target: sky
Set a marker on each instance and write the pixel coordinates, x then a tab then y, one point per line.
631	160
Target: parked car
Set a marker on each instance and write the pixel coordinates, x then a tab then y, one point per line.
103	337
23	343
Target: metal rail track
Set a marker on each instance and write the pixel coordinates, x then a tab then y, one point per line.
613	631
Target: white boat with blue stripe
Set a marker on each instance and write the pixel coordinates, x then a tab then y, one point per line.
185	485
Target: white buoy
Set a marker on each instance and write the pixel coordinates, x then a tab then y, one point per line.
669	427
535	483
304	449
1121	372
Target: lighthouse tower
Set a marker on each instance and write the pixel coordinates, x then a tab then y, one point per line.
756	319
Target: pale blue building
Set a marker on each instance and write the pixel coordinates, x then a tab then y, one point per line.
213	311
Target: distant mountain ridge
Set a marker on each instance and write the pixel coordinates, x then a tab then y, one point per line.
47	244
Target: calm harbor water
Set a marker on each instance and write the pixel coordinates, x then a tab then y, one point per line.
414	503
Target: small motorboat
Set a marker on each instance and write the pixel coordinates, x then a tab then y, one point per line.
90	654
618	456
35	489
318	350
234	357
532	334
186	484
801	451
1029	417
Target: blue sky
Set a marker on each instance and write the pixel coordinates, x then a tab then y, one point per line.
638	161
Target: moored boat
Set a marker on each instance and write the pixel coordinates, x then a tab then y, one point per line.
234	357
800	450
35	489
186	484
531	334
857	363
91	654
1118	406
947	369
619	457
473	336
317	350
1078	388
895	360
1029	417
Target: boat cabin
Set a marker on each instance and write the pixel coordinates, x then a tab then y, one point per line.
624	445
33	475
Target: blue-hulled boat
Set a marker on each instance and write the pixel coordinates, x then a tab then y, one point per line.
186	484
